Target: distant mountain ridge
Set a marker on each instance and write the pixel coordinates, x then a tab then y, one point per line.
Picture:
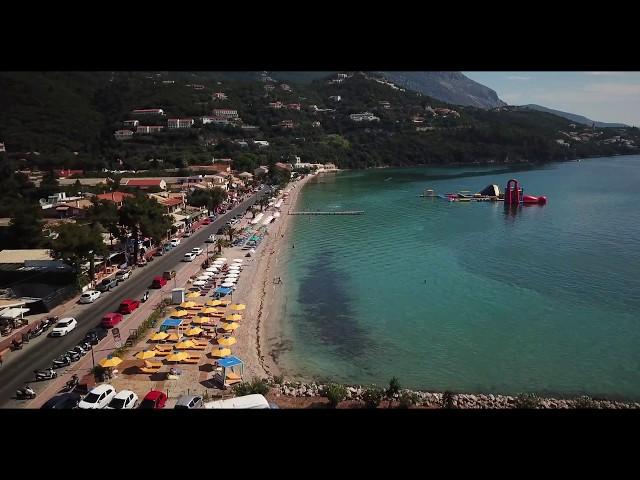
450	87
574	118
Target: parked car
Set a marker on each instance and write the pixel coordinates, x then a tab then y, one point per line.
211	238
189	402
128	306
63	401
188	257
110	320
154	399
142	262
107	284
197	250
94	335
186	234
124	400
169	274
244	402
89	296
64	326
175	242
122	275
206	221
99	397
158	282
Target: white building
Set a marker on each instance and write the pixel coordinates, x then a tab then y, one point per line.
180	123
335	98
225	113
261	143
363	117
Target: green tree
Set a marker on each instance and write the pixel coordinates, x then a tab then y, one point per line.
527	401
408	399
255	386
220	244
49	184
335	393
142	216
448	400
103	214
217	197
25	228
77	244
372	397
211	199
229	230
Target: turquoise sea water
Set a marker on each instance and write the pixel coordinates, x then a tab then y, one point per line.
465	296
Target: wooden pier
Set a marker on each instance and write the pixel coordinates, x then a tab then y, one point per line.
351	212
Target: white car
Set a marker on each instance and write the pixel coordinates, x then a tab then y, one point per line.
211	239
188	257
89	296
123	275
64	326
99	397
197	251
175	242
124	400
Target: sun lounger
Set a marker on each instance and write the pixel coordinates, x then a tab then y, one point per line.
233	376
163	348
149	370
198	347
163	353
191	360
149	364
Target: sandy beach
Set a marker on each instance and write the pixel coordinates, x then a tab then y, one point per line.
259	332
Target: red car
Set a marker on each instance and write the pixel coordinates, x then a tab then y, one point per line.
158	282
128	306
155	399
111	320
206	221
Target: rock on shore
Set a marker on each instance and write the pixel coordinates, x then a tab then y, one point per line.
459	400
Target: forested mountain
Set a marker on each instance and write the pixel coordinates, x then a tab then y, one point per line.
575	118
68	119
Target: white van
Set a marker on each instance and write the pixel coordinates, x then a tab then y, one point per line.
248	401
188	257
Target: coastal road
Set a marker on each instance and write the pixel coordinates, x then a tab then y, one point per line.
40	352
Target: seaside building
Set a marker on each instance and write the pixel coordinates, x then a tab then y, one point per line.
215	120
363	117
219	96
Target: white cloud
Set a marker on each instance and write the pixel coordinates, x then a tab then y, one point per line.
517	77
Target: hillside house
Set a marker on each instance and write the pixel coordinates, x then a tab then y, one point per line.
123	134
294	106
67	173
144	183
115	197
219	96
276	105
174	123
225	113
148	129
363	117
335	98
131	123
148	111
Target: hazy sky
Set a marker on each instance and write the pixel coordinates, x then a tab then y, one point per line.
600	96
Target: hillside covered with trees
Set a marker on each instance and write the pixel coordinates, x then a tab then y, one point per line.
68	120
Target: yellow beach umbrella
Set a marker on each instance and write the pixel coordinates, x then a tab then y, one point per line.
200	320
213	303
174	337
159	336
185	345
143	355
227	341
234	317
221	352
229	327
178	313
110	362
225	302
177	357
194	331
188	304
210	310
238	306
193	295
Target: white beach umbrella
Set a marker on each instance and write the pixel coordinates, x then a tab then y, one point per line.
203	277
221	259
231	280
232	275
228	284
238	260
199	283
212	270
234	269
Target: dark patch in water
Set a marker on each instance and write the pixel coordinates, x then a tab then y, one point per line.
328	310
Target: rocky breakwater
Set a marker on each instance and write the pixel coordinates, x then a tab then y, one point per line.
456	400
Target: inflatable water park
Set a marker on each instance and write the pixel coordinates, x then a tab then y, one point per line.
513	195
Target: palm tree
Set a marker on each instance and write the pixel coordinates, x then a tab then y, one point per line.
220	244
229	230
263	202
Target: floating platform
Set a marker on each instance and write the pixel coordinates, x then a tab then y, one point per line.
351	212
